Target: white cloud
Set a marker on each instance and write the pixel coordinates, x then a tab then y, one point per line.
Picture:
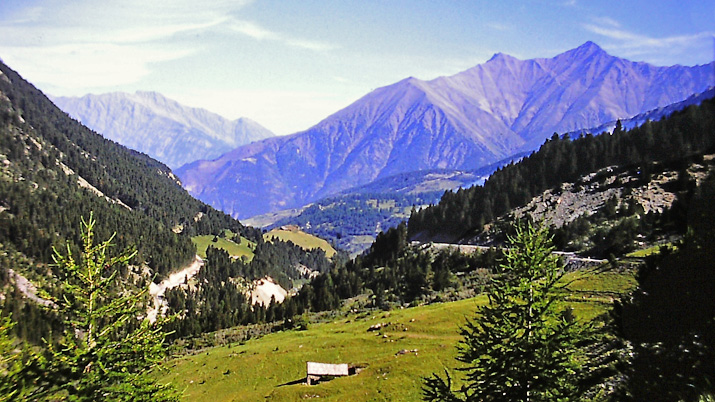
81	66
606	22
633	44
81	44
310	45
258	32
254	30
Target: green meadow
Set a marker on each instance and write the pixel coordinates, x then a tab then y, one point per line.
301	239
245	249
415	343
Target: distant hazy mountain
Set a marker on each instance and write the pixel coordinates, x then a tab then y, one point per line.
160	127
465	121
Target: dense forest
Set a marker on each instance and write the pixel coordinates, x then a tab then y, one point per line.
45	153
561	159
219	299
54	172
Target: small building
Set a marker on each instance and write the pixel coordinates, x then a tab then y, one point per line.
315	371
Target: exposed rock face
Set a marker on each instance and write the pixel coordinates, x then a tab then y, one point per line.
265	289
591	192
465	121
160	127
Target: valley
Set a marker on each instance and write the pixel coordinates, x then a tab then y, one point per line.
469	224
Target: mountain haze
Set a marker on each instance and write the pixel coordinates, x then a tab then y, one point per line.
464	121
160	127
53	171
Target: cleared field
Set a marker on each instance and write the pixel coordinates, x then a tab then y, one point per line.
273	367
237	250
301	239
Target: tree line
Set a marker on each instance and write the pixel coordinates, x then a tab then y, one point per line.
561	159
43	154
219	299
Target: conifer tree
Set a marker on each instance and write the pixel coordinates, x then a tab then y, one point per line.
106	352
520	346
9	362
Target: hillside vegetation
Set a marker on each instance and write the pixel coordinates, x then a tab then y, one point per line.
235	246
302	239
685	134
351	222
414	343
54	171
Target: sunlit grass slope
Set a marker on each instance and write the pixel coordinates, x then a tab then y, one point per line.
232	248
301	239
272	367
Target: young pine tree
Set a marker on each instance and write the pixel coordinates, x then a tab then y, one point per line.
521	346
106	352
9	362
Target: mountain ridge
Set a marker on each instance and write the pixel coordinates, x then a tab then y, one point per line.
161	127
464	121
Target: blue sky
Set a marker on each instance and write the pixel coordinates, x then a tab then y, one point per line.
289	64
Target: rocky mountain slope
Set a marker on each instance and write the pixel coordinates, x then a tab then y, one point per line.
464	121
160	127
675	142
53	171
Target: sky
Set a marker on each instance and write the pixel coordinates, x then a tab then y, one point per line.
290	64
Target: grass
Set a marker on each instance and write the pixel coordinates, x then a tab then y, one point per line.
245	249
301	239
648	251
273	367
261	368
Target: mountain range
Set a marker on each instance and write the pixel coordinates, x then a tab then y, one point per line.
160	127
464	121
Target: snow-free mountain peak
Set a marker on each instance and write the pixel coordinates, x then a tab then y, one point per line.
463	121
161	127
501	58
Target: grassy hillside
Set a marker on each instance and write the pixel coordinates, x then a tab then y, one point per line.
273	367
302	239
242	249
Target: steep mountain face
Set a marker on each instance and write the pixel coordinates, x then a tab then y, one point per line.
160	127
54	171
465	121
673	143
652	115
